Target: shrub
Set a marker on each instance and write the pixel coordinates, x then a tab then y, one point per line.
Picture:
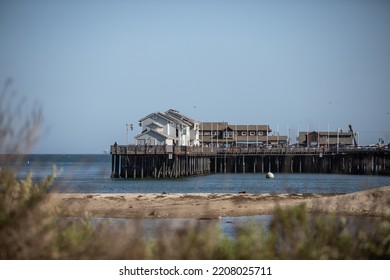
24	216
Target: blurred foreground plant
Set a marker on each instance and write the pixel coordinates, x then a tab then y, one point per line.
24	216
19	125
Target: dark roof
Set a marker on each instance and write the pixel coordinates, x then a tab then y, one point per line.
250	127
180	117
173	116
325	133
239	127
213	125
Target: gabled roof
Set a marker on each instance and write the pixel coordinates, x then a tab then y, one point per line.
180	117
171	116
151	132
150	116
156	124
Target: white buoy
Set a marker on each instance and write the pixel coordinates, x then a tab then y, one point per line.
269	175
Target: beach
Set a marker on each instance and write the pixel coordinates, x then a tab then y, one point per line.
371	202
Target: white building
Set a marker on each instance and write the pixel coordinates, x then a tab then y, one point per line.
168	128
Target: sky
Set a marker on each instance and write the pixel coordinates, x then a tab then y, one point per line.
294	65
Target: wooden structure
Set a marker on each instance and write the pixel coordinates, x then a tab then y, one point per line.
158	161
130	161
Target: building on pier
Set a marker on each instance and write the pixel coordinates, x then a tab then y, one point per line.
326	138
174	128
168	128
172	145
222	134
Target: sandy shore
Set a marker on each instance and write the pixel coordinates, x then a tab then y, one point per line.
204	206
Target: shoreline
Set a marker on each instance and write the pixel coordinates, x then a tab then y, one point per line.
372	202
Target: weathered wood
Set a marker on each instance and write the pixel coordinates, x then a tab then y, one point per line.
174	162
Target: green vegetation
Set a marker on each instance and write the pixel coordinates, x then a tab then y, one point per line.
30	229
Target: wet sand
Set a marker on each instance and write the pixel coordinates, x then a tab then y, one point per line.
373	202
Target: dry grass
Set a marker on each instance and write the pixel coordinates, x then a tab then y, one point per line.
19	125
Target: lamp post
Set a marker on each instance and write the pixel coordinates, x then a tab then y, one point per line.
211	137
247	139
257	138
288	138
226	136
128	125
236	134
327	140
318	137
307	136
338	141
217	137
201	124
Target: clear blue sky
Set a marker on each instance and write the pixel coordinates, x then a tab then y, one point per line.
97	65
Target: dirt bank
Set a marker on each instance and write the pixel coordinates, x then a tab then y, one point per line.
369	202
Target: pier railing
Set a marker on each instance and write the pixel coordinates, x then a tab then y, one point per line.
211	151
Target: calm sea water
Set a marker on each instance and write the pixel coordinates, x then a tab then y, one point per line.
152	227
91	174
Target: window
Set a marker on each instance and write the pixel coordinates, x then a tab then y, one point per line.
243	133
252	133
260	133
228	134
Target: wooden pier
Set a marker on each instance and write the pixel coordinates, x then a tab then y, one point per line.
158	162
130	161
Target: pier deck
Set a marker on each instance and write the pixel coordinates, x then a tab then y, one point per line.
131	161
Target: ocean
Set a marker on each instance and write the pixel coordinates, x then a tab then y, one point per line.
92	174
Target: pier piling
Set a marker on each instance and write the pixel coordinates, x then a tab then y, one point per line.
130	161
